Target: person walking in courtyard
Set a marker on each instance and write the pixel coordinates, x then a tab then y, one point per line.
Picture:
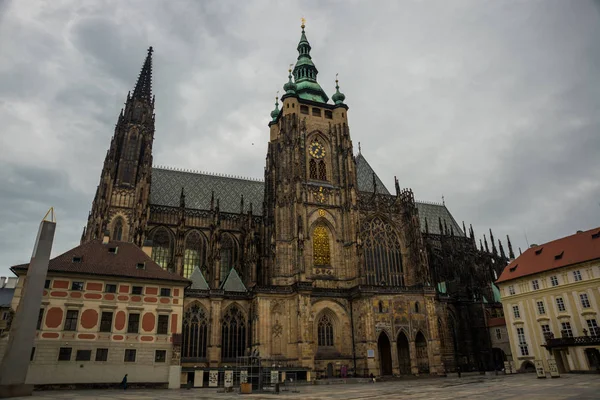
124	382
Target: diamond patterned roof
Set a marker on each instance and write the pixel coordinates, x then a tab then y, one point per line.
433	212
364	176
198	187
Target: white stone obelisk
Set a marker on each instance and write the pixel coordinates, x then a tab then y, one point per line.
14	366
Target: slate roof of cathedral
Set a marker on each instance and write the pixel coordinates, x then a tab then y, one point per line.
198	188
570	250
96	259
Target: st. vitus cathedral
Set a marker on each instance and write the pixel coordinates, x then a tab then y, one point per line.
319	266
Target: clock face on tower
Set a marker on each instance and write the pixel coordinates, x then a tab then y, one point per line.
316	150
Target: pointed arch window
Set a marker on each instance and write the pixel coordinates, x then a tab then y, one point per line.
228	255
194	253
321	250
162	248
195	333
118	230
322	171
325	331
382	253
233	334
312	166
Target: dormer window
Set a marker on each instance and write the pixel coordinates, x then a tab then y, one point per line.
113	250
141	266
513	269
559	256
77	259
539	251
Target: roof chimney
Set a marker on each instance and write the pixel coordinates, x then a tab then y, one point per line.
579	231
147	247
106	237
533	245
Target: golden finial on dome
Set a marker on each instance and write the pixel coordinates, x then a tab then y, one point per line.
303	22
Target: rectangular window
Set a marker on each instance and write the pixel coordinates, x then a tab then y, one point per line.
554	280
133	326
106	322
577	276
316	112
304	109
40	319
83	355
76	285
585	302
546	330
165	292
516	312
64	354
593	328
498	333
566	329
560	304
541	308
160	356
535	284
47	284
32	354
163	325
522	342
71	320
129	355
110	288
101	354
511	289
136	290
328	114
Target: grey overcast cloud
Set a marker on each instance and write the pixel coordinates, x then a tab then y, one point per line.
494	105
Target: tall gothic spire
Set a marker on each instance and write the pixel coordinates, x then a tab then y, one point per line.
305	73
143	86
511	254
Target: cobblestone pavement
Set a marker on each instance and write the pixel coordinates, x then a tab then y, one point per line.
523	386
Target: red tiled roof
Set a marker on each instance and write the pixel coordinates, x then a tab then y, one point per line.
574	249
498	321
97	259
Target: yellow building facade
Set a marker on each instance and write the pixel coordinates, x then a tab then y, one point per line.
551	300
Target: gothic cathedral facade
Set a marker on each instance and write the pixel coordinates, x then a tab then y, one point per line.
319	266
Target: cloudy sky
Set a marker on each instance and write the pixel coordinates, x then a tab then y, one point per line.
493	104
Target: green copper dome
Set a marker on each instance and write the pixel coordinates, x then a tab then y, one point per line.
290	86
338	97
305	74
275	112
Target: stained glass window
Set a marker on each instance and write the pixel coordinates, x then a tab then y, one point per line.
312	165
161	248
233	334
382	253
194	253
322	171
118	230
195	333
321	253
325	331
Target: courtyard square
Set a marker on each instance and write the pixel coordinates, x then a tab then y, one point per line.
523	386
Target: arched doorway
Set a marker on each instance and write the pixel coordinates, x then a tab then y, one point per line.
422	357
499	358
385	354
403	354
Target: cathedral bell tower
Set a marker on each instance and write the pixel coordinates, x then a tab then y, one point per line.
310	204
120	206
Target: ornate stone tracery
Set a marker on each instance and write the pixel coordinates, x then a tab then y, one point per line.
382	253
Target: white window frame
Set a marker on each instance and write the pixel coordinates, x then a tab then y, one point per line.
554	280
511	290
516	312
585	301
522	341
560	304
593	328
541	307
535	284
566	327
577	276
